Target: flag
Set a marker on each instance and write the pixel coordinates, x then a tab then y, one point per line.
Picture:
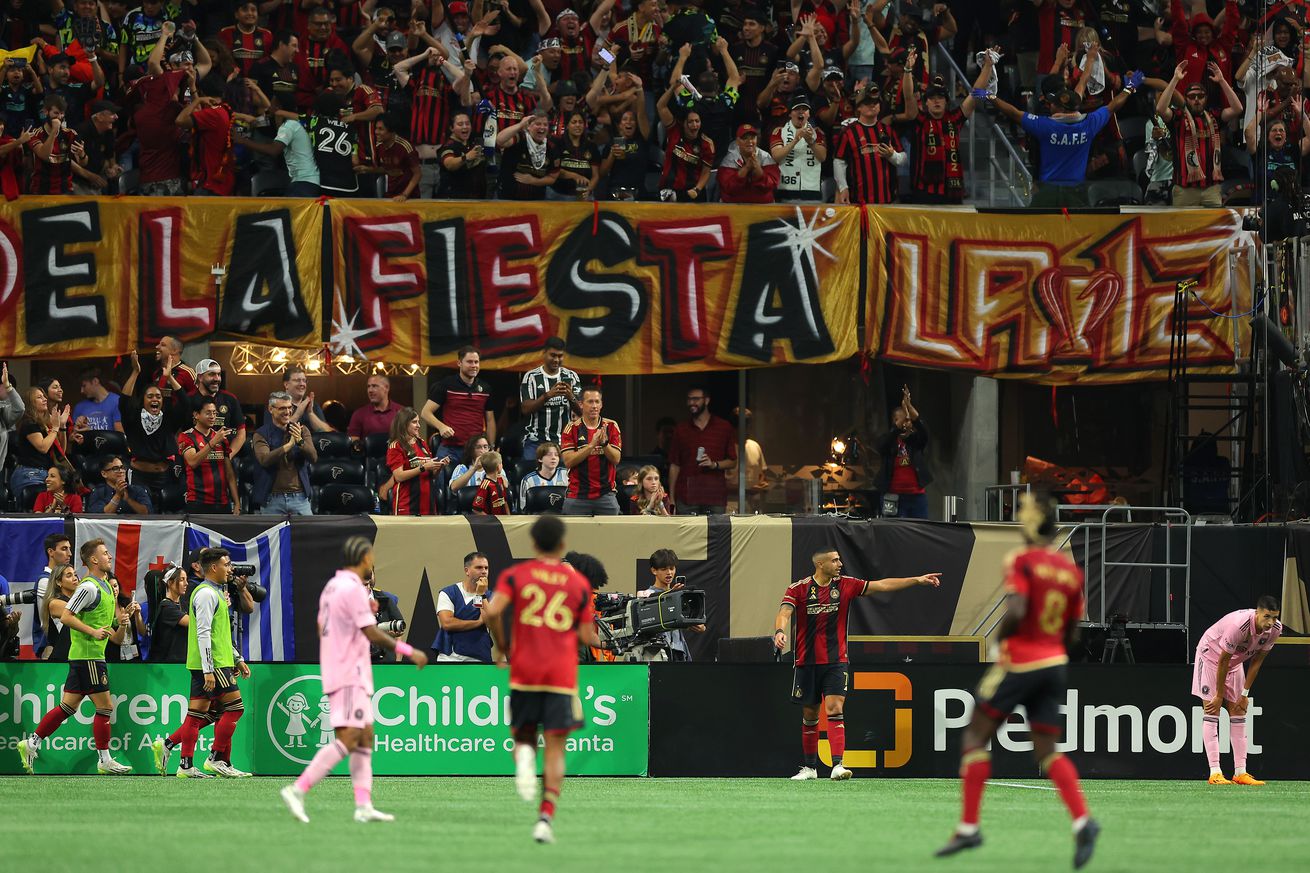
136	546
268	633
22	563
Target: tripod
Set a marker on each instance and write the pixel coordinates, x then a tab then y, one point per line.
1116	639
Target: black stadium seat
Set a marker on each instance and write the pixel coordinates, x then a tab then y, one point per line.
25	499
544	498
102	442
336	472
375	445
330	444
462	504
336	499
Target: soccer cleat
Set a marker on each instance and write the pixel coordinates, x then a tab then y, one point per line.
1246	779
224	769
525	772
1085	843
805	774
27	753
1219	779
294	798
368	813
542	832
958	843
112	768
192	773
839	773
162	752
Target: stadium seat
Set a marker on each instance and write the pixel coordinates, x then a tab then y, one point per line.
545	498
88	467
376	471
103	442
375	445
625	496
336	499
4	491
25	499
330	444
462	502
245	466
336	472
171	499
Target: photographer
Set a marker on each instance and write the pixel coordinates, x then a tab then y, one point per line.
463	637
388	615
8	626
127	647
664	577
242	593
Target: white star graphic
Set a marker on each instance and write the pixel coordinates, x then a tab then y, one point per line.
345	334
802	239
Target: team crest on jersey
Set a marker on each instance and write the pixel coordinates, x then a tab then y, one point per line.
1264	640
1205	689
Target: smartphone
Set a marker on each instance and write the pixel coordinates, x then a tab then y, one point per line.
607	56
18	62
700	453
680	580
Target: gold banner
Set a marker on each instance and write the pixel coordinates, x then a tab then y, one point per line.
1053	298
632	288
102	276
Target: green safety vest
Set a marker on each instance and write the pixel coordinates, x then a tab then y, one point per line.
82	647
220	634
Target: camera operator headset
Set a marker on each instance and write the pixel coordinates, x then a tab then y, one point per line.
389	618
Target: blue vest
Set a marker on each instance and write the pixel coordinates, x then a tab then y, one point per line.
470	644
264	475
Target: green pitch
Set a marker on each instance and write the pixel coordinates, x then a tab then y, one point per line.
155	824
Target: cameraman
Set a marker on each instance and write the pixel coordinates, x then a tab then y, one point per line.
242	594
463	635
664	573
8	626
387	613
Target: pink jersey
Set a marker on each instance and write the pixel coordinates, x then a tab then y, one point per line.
343	610
1234	633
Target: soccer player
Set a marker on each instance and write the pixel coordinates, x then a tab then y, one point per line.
1043	604
347	623
821	604
90	618
1238	637
214	663
551	608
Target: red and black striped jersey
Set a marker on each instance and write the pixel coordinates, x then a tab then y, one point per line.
311	66
413	496
871	177
594	477
247	49
363	98
207	481
433	103
821	613
54	175
684	159
575	53
510	108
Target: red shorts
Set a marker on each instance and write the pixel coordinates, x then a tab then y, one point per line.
351	707
1204	685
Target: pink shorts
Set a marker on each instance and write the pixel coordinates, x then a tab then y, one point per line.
1203	681
351	707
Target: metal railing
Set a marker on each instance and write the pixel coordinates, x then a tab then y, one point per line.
1007	180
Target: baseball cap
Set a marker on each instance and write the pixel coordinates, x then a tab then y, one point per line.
870	95
936	89
552	43
105	106
790	65
193	557
567	88
457	7
747	129
397	40
206	365
800	100
1195	86
567	13
833	73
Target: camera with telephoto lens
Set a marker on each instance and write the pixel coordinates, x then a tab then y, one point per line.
392	627
258	593
17	598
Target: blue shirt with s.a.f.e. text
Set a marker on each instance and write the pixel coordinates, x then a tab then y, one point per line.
1065	145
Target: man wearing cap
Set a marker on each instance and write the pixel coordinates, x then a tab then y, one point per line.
246	40
450	25
1198	138
1064	140
209	375
748	174
100	175
1197	43
60	81
755	57
774	101
868	154
800	150
544	67
378	48
898	85
577	41
937	169
837	108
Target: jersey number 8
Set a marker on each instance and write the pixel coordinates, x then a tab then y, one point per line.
1051	620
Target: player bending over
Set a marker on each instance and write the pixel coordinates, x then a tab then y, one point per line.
347	623
90	617
1238	637
215	664
550	605
1044	603
821	604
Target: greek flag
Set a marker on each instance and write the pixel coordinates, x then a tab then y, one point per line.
268	633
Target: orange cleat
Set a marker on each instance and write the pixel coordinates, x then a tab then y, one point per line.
1219	779
1246	779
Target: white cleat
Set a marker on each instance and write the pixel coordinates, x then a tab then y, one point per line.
162	751
192	773
525	772
112	768
27	753
839	773
294	798
543	833
224	769
805	774
368	813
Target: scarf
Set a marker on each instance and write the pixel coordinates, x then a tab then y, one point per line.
1191	147
941	153
536	152
1095	74
151	422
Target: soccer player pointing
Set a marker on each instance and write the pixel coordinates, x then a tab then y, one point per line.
1043	605
347	623
1238	637
821	604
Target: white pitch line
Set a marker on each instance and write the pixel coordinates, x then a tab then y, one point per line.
1019	785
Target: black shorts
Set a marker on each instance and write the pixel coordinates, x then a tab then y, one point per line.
1041	692
552	712
87	677
813	682
225	682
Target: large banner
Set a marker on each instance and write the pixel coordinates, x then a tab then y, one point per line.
1052	298
445	720
637	289
100	276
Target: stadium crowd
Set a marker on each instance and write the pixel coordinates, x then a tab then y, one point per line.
680	100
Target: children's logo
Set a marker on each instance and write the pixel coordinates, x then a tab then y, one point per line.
298	722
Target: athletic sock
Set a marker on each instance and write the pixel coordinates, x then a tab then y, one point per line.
837	737
810	742
190	731
975	770
361	775
1237	736
227	725
51	722
1064	774
324	760
100	730
1210	737
549	797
